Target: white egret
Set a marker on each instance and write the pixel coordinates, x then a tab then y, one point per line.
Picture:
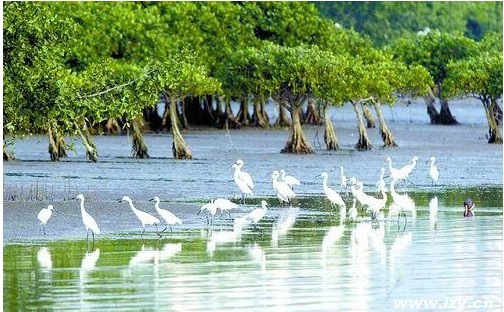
290	180
257	214
283	191
343	179
374	204
225	205
210	208
88	221
433	171
381	183
167	215
403	201
331	194
144	217
394	172
44	215
352	213
404	172
243	180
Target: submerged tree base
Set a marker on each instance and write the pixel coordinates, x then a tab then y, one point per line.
7	155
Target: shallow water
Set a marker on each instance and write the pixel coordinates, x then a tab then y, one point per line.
304	258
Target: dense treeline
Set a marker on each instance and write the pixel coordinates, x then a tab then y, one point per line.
386	21
71	68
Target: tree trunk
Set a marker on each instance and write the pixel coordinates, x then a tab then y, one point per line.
91	152
264	113
57	145
182	116
330	138
497	113
430	99
179	147
7	155
243	114
370	123
257	117
283	120
364	143
445	116
297	143
139	148
112	127
312	115
166	115
387	137
494	135
52	148
229	120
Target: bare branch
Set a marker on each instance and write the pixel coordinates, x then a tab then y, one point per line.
114	88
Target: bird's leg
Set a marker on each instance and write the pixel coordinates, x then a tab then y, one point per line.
143	232
93	239
230	215
405	220
171	231
87	235
157	231
43	229
164	229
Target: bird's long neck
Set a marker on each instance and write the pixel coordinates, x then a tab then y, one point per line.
324	182
384	195
392	190
131	206
82	206
156	205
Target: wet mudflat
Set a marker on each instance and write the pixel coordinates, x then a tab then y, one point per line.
304	258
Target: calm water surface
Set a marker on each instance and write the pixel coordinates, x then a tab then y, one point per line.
303	258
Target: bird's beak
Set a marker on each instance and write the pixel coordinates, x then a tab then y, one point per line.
119	200
151	199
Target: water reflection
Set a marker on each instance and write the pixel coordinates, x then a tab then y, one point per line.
304	264
215	237
44	259
284	223
148	255
433	211
88	264
334	234
258	255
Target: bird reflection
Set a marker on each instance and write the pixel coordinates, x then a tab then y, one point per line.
149	254
224	236
433	209
283	225
334	234
258	255
404	203
44	259
89	260
401	243
87	265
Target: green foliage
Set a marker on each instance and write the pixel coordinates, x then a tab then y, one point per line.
433	51
385	21
480	76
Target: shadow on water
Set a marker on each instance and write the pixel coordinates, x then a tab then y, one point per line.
301	256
